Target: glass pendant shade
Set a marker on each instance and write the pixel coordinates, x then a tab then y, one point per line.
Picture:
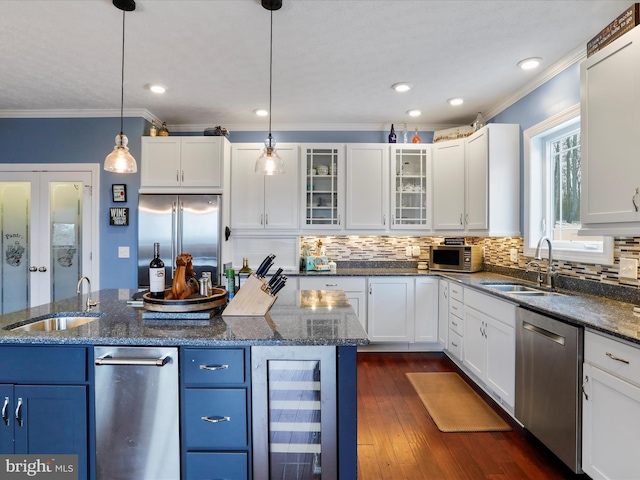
120	160
269	163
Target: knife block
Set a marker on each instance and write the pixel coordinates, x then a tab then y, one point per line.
250	301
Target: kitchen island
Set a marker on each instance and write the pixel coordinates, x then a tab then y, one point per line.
308	340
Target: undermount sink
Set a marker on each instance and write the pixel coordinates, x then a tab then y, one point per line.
519	289
54	323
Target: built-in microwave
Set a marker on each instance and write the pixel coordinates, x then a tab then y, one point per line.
456	258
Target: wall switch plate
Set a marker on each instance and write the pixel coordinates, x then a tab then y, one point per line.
407	250
415	250
513	255
628	268
123	252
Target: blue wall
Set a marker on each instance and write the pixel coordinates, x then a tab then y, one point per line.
85	140
89	140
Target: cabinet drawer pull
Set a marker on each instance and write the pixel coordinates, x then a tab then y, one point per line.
454	344
454	323
330	284
19	412
5	407
633	199
216	419
214	367
453	307
617	359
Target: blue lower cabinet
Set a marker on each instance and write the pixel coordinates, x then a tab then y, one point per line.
217	466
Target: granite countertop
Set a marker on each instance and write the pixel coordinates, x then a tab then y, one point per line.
296	318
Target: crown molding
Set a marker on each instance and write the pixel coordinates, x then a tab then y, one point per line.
320	127
79	113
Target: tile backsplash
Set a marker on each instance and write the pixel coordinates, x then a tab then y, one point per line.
496	252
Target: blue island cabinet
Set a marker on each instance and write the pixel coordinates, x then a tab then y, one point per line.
216	413
45	402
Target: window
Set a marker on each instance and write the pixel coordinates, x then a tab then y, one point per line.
552	192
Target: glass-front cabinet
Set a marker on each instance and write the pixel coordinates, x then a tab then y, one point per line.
410	186
323	184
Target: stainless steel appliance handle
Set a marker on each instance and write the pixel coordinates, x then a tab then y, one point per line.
180	226
5	407
173	238
19	412
214	367
216	419
554	337
586	380
107	359
617	359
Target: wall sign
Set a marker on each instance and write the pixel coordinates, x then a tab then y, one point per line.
119	216
119	192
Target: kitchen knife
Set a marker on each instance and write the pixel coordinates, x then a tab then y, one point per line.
274	279
278	286
265	266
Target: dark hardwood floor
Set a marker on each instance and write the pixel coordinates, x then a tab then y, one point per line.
398	440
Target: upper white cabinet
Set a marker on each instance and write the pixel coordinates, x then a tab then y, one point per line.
410	186
610	125
367	189
263	202
182	163
477	182
323	186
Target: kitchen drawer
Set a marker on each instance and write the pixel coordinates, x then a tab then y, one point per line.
456	324
455	344
226	411
27	364
612	356
347	284
489	305
456	308
456	291
217	465
213	366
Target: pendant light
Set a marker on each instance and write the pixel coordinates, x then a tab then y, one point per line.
120	160
270	163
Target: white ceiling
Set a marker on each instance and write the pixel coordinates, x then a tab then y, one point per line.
333	60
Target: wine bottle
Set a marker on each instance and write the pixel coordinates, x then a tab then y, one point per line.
244	272
156	274
231	283
416	137
392	135
153	131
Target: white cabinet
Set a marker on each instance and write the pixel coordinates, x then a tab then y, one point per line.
183	163
367	186
456	320
263	202
477	182
353	287
489	342
610	125
443	312
410	187
323	186
426	310
448	185
610	408
390	309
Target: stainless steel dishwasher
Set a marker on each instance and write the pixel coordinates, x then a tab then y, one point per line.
548	375
137	433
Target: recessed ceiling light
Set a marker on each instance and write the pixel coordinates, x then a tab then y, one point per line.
401	87
455	101
157	88
529	63
261	112
414	113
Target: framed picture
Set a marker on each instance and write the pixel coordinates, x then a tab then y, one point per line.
119	192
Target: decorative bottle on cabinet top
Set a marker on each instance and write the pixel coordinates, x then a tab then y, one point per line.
392	135
164	131
416	137
153	131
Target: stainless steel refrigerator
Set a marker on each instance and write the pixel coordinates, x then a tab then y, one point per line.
181	224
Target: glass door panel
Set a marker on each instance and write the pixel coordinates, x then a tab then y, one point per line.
322	186
410	187
15	210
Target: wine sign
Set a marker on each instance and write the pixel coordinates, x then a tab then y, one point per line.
119	216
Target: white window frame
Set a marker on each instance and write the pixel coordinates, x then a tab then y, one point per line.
536	208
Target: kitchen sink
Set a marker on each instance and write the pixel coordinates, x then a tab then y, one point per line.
54	323
519	289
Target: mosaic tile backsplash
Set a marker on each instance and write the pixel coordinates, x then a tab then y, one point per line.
496	253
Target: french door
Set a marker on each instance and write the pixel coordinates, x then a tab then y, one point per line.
47	228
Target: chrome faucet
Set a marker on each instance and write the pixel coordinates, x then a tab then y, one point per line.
90	303
551	271
533	263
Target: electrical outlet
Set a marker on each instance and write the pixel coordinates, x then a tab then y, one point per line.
407	250
123	252
415	250
628	268
513	255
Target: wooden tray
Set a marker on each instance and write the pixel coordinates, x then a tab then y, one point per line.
195	303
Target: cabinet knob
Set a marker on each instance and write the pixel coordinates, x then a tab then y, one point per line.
33	269
42	269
